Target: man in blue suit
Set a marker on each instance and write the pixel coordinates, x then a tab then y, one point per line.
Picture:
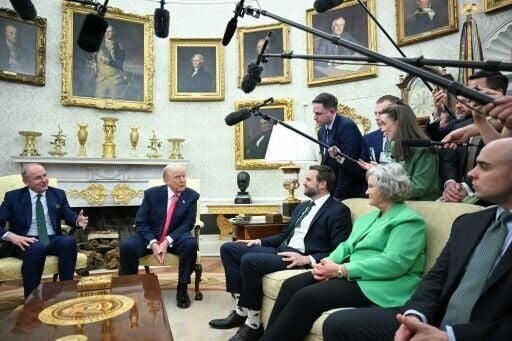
164	221
34	214
373	144
339	132
315	229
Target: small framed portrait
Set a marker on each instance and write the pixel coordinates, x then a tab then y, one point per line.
347	21
252	135
493	5
117	77
22	48
420	20
196	70
250	43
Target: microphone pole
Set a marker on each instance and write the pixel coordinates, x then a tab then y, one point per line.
275	121
452	86
374	19
490	65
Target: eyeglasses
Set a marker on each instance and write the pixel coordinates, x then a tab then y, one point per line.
463	100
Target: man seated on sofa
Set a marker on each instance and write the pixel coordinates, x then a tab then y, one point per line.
34	214
315	229
466	295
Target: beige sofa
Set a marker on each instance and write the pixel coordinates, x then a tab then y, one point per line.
439	218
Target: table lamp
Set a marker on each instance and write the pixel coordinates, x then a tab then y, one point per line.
286	145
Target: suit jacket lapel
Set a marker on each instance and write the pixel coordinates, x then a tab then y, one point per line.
162	206
26	202
321	211
51	202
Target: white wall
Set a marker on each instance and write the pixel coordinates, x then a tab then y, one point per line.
209	142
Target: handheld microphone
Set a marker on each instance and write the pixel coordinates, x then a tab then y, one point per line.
429	143
25	9
231	26
161	21
322	6
93	29
243	114
253	76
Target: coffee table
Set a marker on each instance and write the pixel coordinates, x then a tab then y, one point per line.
145	320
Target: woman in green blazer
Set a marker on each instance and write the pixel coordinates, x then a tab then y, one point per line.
381	262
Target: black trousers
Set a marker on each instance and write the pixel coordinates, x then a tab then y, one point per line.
363	324
245	267
302	299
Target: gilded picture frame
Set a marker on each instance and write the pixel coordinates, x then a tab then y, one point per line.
196	70
494	5
253	134
358	29
250	40
27	63
117	77
415	24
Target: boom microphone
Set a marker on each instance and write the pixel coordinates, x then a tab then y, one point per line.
25	9
161	21
93	29
231	26
243	114
322	6
253	76
428	143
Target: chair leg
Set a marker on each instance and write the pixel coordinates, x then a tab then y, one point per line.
147	269
198	269
55	277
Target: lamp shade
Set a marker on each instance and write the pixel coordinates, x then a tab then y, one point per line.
286	145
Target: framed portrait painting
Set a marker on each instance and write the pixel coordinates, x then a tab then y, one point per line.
250	42
347	21
420	20
196	70
117	77
493	5
22	48
252	135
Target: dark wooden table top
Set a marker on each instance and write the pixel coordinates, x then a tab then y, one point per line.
146	320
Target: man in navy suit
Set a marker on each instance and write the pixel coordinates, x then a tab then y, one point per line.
339	132
315	229
466	294
164	221
374	142
34	214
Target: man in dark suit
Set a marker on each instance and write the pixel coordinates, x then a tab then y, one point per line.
339	132
257	147
14	56
427	17
315	229
466	294
34	214
164	221
198	79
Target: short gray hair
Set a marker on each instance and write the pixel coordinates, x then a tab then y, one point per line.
171	168
392	181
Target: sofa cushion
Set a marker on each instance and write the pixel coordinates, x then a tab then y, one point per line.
272	282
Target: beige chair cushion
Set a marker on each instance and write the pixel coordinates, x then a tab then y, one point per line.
10	267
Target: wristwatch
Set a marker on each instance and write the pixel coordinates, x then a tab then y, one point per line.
340	273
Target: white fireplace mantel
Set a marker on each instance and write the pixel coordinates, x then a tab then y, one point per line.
104	177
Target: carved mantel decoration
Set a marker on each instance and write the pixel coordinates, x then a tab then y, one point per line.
94	194
123	194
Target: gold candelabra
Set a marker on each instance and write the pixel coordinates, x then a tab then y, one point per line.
58	143
154	147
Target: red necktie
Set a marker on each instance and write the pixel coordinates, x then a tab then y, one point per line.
170	212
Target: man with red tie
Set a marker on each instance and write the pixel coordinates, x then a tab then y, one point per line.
164	222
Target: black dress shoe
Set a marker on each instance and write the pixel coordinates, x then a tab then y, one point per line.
182	299
246	333
232	321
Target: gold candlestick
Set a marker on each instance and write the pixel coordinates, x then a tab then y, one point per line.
30	143
176	148
154	147
82	139
134	139
109	128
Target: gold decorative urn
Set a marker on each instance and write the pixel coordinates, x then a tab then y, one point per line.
82	139
109	129
134	140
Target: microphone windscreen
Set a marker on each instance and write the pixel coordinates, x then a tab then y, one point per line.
161	21
416	143
92	32
25	9
230	31
249	84
237	116
322	6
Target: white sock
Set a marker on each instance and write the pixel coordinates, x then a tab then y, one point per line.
253	319
241	311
